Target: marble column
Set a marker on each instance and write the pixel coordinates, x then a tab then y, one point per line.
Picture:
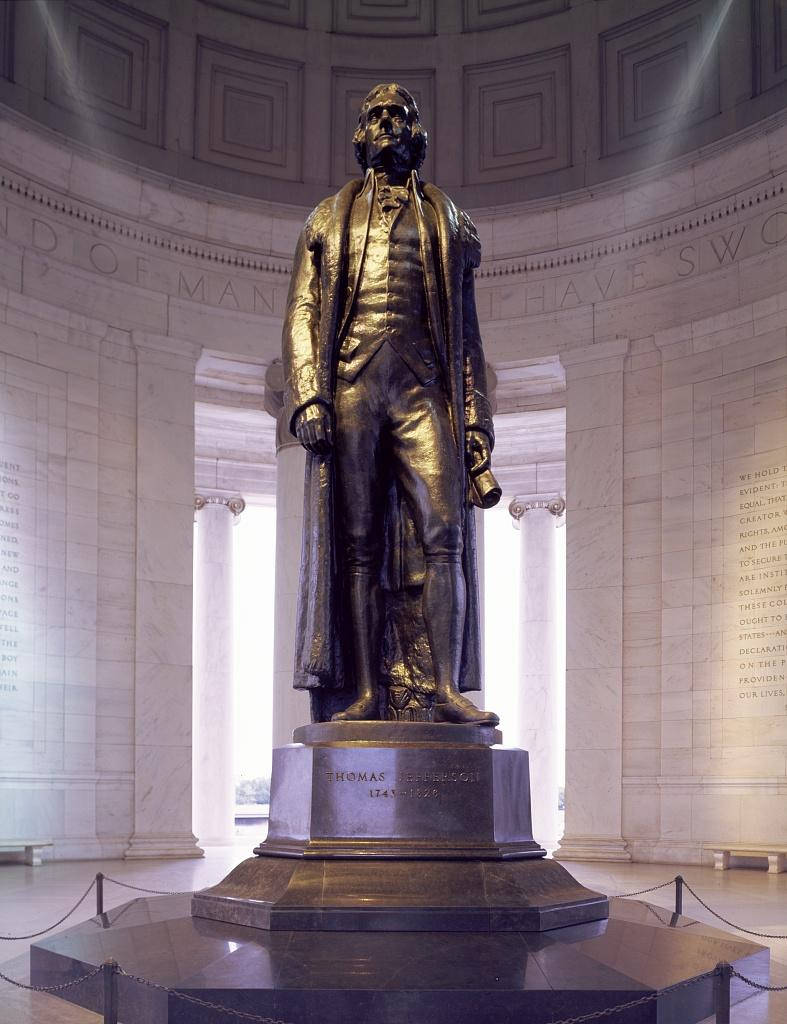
214	709
594	602
537	727
290	707
164	612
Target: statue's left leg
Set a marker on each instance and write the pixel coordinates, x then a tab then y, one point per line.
444	614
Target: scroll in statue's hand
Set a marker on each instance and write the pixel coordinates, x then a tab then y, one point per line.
314	429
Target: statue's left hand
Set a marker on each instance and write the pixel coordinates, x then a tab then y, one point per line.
478	451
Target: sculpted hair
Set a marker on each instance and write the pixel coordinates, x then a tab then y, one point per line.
418	140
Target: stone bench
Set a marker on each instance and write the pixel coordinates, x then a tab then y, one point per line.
31	848
776	856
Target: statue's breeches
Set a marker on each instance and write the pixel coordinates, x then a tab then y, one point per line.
389	425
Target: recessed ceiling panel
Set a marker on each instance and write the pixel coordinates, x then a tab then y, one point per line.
108	66
659	74
384	17
517	117
485	14
770	42
6	39
248	110
281	12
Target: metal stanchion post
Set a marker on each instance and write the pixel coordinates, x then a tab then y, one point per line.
99	894
110	969
678	894
721	986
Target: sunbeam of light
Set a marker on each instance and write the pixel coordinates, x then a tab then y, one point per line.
660	152
695	74
68	72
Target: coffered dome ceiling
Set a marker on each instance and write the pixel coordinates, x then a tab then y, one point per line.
522	100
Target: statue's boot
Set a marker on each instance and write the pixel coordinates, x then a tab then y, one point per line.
452	706
444	611
365	708
365	615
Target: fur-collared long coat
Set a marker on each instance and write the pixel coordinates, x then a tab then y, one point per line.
326	268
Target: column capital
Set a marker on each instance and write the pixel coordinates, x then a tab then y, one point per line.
520	505
236	505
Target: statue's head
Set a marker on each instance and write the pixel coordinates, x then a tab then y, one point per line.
389	130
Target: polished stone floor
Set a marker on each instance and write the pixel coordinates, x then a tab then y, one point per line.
31	898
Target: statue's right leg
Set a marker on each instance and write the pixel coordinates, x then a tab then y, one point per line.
365	616
359	513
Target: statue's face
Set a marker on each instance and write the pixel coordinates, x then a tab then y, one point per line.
388	133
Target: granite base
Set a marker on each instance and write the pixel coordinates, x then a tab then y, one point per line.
309	977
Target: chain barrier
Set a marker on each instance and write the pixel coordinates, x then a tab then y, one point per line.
35	935
96	883
641	892
111	969
737	927
757	984
52	988
593	1015
156	892
681	882
610	1010
242	1014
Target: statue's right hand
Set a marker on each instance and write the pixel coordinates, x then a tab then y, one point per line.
314	429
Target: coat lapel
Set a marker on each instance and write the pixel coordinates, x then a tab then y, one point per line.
431	285
450	262
333	270
360	215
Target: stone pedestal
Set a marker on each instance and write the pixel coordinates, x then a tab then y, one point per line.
384	826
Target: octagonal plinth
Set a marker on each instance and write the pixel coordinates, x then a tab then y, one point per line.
348	894
394	826
380	789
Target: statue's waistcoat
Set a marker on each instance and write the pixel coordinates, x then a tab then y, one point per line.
390	304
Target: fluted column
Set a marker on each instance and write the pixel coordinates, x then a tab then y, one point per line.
214	768
537	723
290	707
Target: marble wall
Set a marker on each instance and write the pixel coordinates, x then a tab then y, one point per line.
659	300
705	701
69	397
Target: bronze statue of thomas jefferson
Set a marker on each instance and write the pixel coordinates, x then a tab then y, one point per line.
386	391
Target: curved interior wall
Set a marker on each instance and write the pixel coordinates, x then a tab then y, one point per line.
665	302
524	99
